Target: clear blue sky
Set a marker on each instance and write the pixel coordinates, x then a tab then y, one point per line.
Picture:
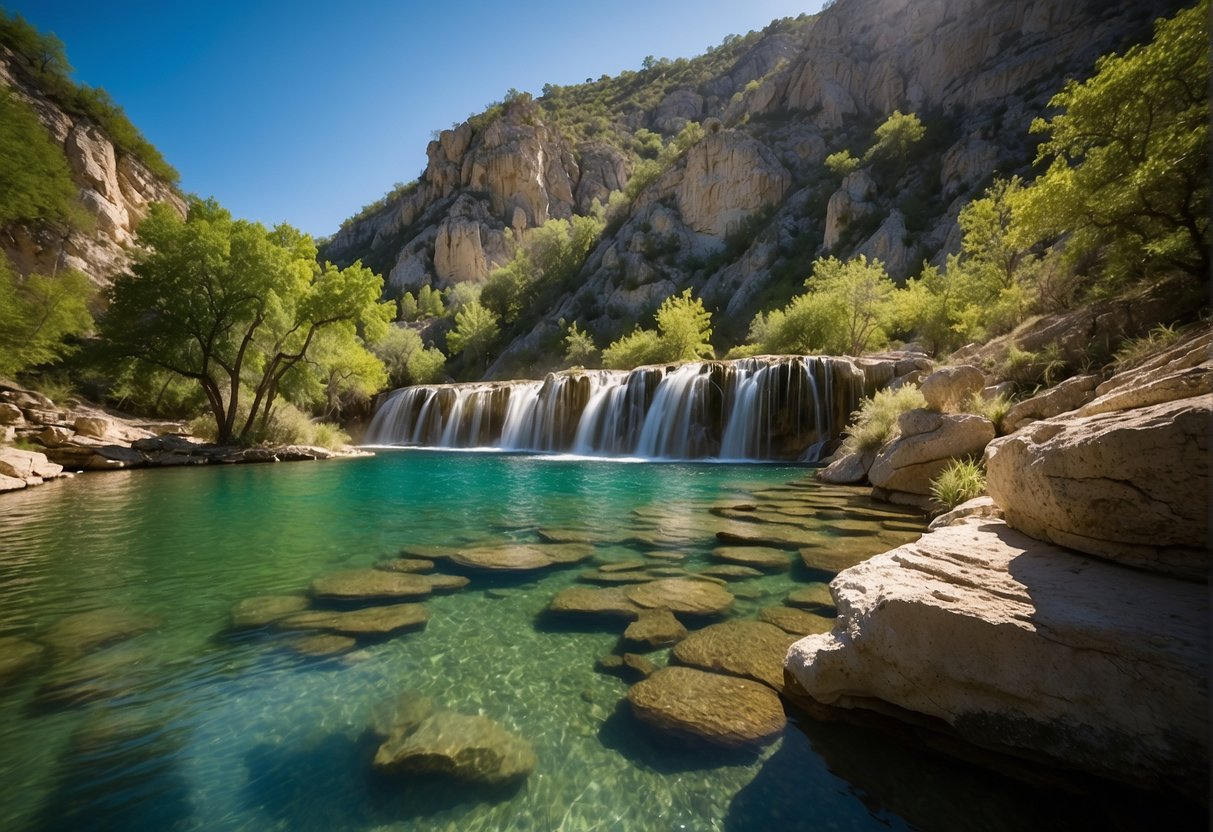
304	111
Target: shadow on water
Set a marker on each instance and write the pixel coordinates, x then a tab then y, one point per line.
898	777
330	784
624	733
119	771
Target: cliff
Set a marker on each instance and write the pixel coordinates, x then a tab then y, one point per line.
115	190
740	214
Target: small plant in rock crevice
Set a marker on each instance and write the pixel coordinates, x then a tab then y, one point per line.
960	482
875	422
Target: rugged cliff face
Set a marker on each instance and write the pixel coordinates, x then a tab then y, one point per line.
115	190
740	215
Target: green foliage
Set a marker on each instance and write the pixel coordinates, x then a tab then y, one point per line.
429	303
475	329
35	184
995	409
895	136
684	332
847	309
640	347
44	60
579	348
875	422
409	310
1128	158
960	482
685	328
460	295
37	316
1030	369
842	163
407	359
239	309
508	288
284	424
1136	351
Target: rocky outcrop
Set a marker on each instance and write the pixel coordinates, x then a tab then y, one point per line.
115	189
1069	395
927	441
1024	647
849	203
1130	485
727	178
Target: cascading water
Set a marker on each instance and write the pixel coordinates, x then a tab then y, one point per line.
784	407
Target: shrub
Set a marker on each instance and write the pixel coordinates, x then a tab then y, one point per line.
995	409
1136	351
876	420
960	482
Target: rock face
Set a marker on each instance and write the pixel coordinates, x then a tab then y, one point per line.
115	189
778	104
1022	646
1069	395
469	748
728	177
720	710
928	441
1131	486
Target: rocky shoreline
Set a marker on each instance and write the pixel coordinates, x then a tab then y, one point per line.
82	438
1065	618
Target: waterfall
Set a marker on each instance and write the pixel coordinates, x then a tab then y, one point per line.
773	407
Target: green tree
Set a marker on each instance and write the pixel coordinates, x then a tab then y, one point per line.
842	163
579	349
35	184
475	329
507	291
407	359
847	309
235	308
639	347
409	308
685	328
1128	157
895	136
429	303
38	314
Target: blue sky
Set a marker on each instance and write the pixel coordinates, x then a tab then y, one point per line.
305	111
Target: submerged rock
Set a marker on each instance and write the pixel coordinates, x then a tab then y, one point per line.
367	584
722	710
1023	646
406	565
17	655
400	714
385	620
757	557
682	595
731	572
521	557
447	583
469	748
87	631
655	628
264	609
322	644
814	596
581	599
751	649
796	622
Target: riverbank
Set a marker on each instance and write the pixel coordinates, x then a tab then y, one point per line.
53	442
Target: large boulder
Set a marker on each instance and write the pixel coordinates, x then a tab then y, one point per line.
720	710
926	443
1131	486
948	388
469	748
1022	646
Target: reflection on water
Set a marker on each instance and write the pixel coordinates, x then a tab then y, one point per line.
192	726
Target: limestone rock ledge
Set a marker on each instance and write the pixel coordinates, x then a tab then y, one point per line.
1024	647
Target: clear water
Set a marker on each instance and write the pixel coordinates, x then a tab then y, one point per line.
200	729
